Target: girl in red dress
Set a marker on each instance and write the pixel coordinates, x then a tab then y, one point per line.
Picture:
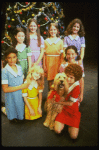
70	114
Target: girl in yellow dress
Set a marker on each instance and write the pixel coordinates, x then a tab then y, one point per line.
53	55
33	94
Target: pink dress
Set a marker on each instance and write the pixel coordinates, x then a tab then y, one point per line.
35	49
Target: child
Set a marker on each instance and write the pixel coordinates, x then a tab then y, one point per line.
75	36
24	53
12	86
71	53
35	41
70	114
53	53
33	94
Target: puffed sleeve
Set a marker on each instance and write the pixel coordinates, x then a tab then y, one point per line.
65	42
29	51
42	42
75	94
82	39
4	76
24	93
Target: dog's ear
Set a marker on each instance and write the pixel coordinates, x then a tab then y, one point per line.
66	87
55	85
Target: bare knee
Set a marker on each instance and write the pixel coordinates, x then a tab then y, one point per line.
73	132
58	127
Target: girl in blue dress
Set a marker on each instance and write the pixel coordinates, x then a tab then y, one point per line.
12	85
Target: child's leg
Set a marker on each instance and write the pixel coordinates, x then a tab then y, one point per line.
58	127
73	132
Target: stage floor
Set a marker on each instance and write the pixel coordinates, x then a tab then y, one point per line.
33	133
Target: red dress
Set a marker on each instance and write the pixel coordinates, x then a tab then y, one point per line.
70	115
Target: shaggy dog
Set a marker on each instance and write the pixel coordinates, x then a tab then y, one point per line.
58	93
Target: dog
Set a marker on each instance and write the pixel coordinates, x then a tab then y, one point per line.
57	93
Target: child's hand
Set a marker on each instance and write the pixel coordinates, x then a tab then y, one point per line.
32	112
80	97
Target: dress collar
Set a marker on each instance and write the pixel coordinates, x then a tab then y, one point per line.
22	48
70	36
73	86
35	38
13	72
50	42
33	84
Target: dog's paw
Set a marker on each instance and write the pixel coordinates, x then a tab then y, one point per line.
45	124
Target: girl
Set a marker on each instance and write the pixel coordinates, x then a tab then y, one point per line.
33	94
24	53
75	36
53	53
12	86
71	53
35	41
70	114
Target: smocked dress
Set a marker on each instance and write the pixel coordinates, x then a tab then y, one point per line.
78	42
23	58
13	101
53	57
32	96
70	115
35	49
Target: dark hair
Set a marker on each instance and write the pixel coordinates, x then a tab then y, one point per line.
75	49
14	41
75	70
55	25
70	26
27	33
7	52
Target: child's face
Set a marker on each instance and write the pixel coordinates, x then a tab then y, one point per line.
70	79
76	28
33	27
53	31
70	55
20	37
11	59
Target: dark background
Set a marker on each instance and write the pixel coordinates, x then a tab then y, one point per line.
87	12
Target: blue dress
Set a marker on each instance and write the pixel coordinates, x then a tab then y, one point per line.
13	101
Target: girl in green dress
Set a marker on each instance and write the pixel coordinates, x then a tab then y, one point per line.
24	52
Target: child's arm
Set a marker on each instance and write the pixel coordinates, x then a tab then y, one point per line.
40	103
29	106
81	89
8	89
40	57
29	62
82	52
67	103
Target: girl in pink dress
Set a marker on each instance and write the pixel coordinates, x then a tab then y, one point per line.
35	41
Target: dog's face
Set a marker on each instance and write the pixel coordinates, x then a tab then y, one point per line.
60	82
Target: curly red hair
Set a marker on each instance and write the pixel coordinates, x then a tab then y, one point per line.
75	70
